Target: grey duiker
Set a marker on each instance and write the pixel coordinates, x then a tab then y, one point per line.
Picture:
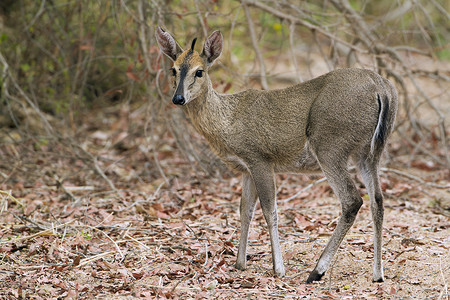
312	127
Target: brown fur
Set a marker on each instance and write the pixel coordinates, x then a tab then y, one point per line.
318	125
193	59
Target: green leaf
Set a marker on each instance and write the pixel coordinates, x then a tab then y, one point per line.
3	37
25	67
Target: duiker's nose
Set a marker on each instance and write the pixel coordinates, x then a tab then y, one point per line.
178	99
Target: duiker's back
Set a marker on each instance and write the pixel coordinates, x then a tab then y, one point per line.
323	122
340	108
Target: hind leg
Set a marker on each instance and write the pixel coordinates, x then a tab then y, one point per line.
369	173
343	186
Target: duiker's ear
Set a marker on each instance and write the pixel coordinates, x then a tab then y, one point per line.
167	44
213	47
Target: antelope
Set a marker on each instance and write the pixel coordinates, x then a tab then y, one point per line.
312	127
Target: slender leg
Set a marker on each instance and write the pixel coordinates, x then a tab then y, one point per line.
345	189
264	179
247	209
369	173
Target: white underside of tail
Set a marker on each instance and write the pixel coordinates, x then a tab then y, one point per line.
377	129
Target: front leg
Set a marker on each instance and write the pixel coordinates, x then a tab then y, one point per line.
264	179
247	208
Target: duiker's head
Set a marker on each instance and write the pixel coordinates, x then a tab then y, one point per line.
189	67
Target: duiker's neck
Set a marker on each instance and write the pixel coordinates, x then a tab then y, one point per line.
209	102
210	112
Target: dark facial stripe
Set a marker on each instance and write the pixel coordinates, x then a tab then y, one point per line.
186	63
184	68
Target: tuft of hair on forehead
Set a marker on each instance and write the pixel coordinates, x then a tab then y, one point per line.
193	44
190	58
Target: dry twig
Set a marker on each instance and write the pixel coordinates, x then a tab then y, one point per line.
251	28
415	178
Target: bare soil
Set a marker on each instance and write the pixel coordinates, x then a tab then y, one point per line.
68	234
95	218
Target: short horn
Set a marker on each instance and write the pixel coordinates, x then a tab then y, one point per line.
193	44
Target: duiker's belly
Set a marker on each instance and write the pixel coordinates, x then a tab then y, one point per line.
302	162
305	162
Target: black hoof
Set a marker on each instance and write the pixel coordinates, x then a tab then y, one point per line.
379	280
240	266
314	276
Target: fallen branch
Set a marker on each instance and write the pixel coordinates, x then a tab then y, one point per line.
91	259
43	232
304	189
8	195
415	178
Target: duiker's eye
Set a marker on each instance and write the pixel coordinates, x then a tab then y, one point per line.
199	73
174	72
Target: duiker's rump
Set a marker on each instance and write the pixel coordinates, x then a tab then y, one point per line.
309	127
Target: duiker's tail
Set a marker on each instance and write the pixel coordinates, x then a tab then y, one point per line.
384	125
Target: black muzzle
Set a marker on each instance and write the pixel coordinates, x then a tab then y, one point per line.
178	99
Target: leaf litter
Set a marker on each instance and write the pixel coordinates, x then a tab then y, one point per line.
66	233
